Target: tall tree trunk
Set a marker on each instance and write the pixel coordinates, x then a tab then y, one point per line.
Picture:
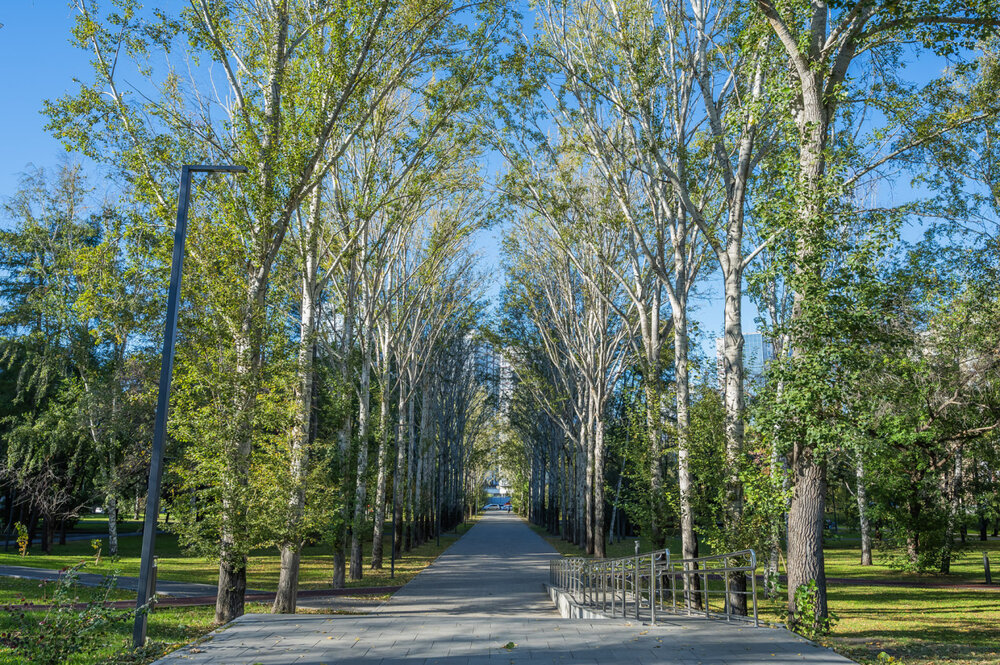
361	487
249	343
423	468
380	485
654	428
862	497
587	441
48	534
805	528
342	530
291	548
554	491
806	511
582	494
689	541
951	480
913	530
599	539
409	495
733	372
111	505
33	520
563	497
399	476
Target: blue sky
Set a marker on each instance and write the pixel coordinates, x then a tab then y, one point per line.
38	63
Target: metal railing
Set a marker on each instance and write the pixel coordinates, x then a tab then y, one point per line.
645	585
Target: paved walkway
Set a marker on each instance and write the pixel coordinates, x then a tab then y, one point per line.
482	602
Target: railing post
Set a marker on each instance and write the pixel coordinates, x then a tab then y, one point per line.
673	590
704	590
666	563
612	587
635	580
687	593
604	586
652	589
725	575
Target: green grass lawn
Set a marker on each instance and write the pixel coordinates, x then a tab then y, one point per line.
170	628
15	591
263	566
843	559
99	524
919	626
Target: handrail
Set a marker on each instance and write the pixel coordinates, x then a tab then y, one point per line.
642	585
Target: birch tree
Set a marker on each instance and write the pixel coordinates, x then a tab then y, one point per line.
632	114
579	323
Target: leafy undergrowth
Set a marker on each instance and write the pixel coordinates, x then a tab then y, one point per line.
168	629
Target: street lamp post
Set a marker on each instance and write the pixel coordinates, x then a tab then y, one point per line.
163	401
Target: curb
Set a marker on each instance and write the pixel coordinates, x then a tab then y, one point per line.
568	608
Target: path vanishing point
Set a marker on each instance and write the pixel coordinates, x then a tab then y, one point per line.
483	601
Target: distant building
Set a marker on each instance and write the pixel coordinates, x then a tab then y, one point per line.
493	372
757	353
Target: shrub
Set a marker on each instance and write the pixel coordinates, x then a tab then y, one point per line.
22	538
805	620
50	634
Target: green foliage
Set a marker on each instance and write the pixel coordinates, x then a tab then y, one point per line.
630	456
61	630
763	485
806	620
23	539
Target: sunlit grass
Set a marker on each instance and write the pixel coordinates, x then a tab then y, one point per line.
917	625
15	591
262	569
843	559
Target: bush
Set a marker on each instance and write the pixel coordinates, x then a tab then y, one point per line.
49	635
805	620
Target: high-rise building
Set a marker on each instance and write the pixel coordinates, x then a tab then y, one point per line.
757	353
493	372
